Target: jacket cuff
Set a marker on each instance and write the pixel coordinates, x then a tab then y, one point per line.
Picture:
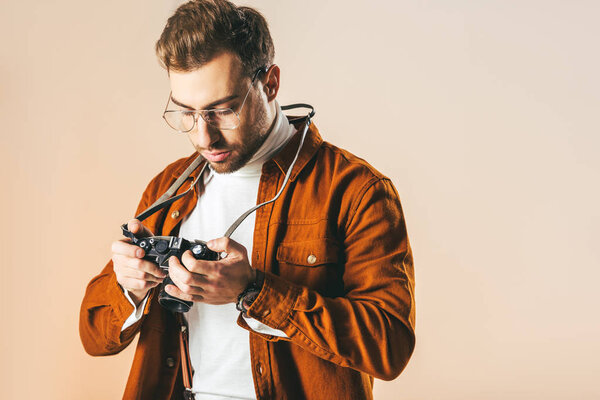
121	306
138	311
274	303
271	338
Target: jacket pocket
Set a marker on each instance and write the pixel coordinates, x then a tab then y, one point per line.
310	253
315	264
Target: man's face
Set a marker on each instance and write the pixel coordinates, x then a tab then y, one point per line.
220	83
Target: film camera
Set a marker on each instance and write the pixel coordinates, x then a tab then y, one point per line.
159	249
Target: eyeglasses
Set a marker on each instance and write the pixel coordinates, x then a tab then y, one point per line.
222	118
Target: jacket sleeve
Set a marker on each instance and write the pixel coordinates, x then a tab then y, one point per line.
105	308
371	327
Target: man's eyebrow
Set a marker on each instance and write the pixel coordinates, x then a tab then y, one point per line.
207	107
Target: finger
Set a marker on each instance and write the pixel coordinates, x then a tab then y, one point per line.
139	264
132	273
176	292
138	229
203	267
132	284
186	281
124	248
227	245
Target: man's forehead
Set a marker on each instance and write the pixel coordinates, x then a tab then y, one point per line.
217	79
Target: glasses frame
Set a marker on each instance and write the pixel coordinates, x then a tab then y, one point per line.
200	113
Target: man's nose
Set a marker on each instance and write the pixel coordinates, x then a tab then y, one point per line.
206	135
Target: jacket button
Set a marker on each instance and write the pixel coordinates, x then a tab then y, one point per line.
265	313
170	361
259	368
175	214
311	259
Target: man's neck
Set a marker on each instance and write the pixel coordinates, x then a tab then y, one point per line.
280	132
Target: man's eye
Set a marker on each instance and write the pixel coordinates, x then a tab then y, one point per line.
218	113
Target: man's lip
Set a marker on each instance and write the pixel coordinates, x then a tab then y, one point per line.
216	155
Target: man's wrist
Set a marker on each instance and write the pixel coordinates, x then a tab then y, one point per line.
250	293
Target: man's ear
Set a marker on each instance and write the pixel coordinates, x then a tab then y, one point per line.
271	85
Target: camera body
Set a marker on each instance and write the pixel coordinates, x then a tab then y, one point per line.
159	249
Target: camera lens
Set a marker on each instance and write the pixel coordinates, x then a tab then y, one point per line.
171	303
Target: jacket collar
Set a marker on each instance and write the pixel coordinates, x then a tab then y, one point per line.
282	159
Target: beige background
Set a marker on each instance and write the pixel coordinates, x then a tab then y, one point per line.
484	114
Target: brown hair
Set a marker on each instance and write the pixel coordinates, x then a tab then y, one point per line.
200	29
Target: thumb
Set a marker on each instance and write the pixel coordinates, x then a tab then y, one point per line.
138	229
227	245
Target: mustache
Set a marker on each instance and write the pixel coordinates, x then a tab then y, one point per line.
218	146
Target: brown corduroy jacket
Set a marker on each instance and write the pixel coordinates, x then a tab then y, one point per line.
338	281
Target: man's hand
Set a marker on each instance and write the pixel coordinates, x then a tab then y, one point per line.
134	274
212	282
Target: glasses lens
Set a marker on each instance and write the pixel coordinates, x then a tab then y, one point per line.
182	121
224	118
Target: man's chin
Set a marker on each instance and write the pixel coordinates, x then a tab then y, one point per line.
220	168
226	167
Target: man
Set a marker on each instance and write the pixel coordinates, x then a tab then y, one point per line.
323	275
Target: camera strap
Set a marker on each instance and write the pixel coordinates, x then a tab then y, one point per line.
186	363
242	217
166	199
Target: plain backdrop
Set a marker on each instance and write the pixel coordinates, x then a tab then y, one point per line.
485	114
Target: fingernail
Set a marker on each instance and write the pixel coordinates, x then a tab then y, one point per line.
139	253
210	243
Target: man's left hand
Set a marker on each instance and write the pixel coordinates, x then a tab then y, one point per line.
212	282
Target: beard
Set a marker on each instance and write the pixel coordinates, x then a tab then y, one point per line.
253	137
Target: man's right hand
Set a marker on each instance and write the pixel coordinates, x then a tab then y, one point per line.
135	274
